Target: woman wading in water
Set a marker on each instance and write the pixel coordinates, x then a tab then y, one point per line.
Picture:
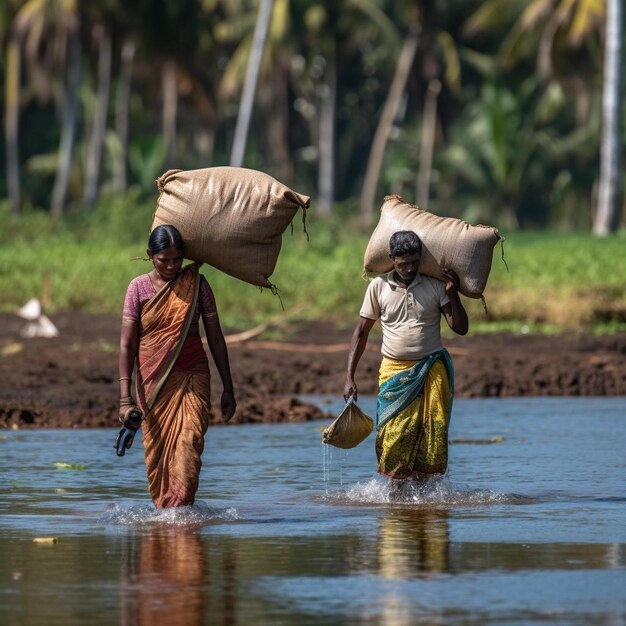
161	335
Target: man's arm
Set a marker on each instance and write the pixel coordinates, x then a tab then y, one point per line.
454	311
357	347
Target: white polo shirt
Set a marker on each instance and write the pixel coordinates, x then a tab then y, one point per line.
410	316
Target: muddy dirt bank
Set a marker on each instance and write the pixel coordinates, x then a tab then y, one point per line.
71	380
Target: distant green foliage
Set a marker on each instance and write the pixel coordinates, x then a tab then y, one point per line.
559	280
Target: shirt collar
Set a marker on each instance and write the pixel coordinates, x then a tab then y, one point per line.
395	284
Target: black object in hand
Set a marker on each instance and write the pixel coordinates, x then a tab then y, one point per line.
127	433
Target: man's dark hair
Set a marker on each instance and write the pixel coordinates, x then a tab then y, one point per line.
163	237
404	242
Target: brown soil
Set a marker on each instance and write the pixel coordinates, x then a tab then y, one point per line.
71	380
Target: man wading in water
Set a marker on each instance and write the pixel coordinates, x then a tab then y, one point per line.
416	380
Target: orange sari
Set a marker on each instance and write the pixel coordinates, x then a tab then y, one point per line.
175	403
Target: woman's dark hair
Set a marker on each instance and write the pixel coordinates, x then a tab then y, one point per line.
163	237
404	242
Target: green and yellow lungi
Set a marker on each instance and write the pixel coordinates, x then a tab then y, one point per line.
413	415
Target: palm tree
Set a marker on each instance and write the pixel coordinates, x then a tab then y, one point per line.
543	27
98	124
375	161
491	149
537	27
68	127
336	31
326	141
250	82
309	37
169	116
437	63
610	190
11	120
427	143
121	115
45	27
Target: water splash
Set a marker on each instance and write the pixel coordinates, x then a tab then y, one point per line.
197	514
430	491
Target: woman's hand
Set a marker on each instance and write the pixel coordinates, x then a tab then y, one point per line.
228	404
126	406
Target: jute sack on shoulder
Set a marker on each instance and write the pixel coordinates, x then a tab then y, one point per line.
350	428
446	242
232	218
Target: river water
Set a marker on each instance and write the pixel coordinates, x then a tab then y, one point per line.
528	527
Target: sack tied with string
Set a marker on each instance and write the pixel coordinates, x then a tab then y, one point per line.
446	242
231	218
350	428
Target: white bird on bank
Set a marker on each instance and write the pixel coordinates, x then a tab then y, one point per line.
39	325
31	310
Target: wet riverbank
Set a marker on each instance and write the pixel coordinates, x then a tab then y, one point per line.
71	380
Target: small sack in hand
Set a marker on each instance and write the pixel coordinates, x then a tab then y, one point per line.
350	428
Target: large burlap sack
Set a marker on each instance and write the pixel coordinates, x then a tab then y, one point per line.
446	242
232	218
350	428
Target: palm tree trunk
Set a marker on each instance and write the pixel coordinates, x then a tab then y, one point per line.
11	122
278	124
121	116
96	141
377	152
427	143
68	129
610	192
326	158
170	111
249	87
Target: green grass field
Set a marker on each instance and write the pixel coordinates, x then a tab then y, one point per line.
554	281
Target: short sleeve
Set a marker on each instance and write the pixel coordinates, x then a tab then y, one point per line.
444	298
371	305
132	305
206	299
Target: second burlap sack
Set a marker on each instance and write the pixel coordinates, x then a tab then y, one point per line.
350	428
446	242
231	218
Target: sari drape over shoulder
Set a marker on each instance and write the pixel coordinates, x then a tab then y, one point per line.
175	403
164	323
413	415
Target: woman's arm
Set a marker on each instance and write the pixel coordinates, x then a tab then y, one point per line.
219	352
129	343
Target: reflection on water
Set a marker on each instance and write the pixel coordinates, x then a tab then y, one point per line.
530	530
413	543
166	571
163	578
